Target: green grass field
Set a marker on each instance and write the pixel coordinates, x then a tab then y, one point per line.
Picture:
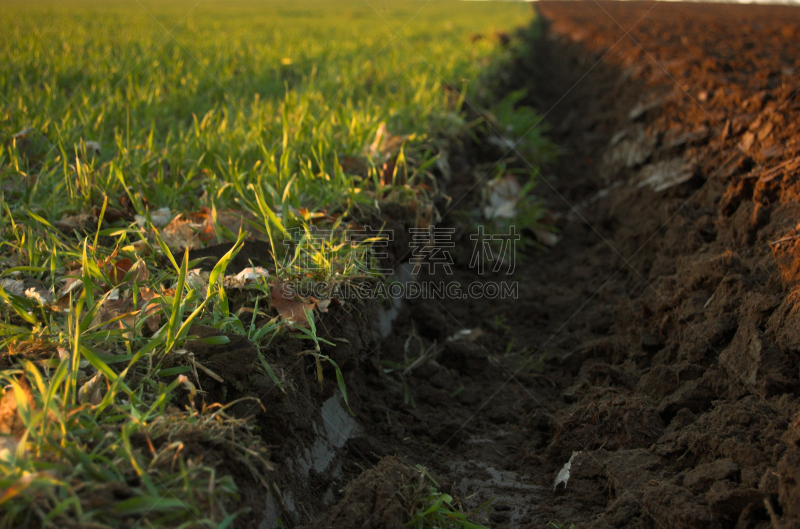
241	91
132	130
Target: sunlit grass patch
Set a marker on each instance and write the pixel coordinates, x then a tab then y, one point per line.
116	461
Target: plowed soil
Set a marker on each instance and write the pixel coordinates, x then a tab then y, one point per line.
656	347
659	340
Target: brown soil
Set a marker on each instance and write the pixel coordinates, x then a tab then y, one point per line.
667	320
659	339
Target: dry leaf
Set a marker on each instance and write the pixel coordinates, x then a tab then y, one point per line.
152	312
548	238
193	230
181	234
93	390
386	145
71	283
10	420
197	279
140	271
466	334
110	309
563	474
114	307
160	218
116	271
503	198
13	286
251	274
41	295
63	354
283	300
149	310
141	247
231	220
79	222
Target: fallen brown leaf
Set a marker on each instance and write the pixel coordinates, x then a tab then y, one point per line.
116	271
230	220
289	308
151	312
93	390
503	197
198	280
322	305
13	286
180	234
115	307
110	309
139	247
81	221
113	214
386	145
10	420
72	282
247	276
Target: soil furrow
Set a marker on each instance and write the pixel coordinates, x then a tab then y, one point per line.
655	347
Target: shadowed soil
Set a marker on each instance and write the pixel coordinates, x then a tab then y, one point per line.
655	346
660	337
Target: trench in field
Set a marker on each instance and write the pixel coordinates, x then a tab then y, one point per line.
589	357
322	458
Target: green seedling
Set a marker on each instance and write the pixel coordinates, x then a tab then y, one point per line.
555	524
432	509
310	333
